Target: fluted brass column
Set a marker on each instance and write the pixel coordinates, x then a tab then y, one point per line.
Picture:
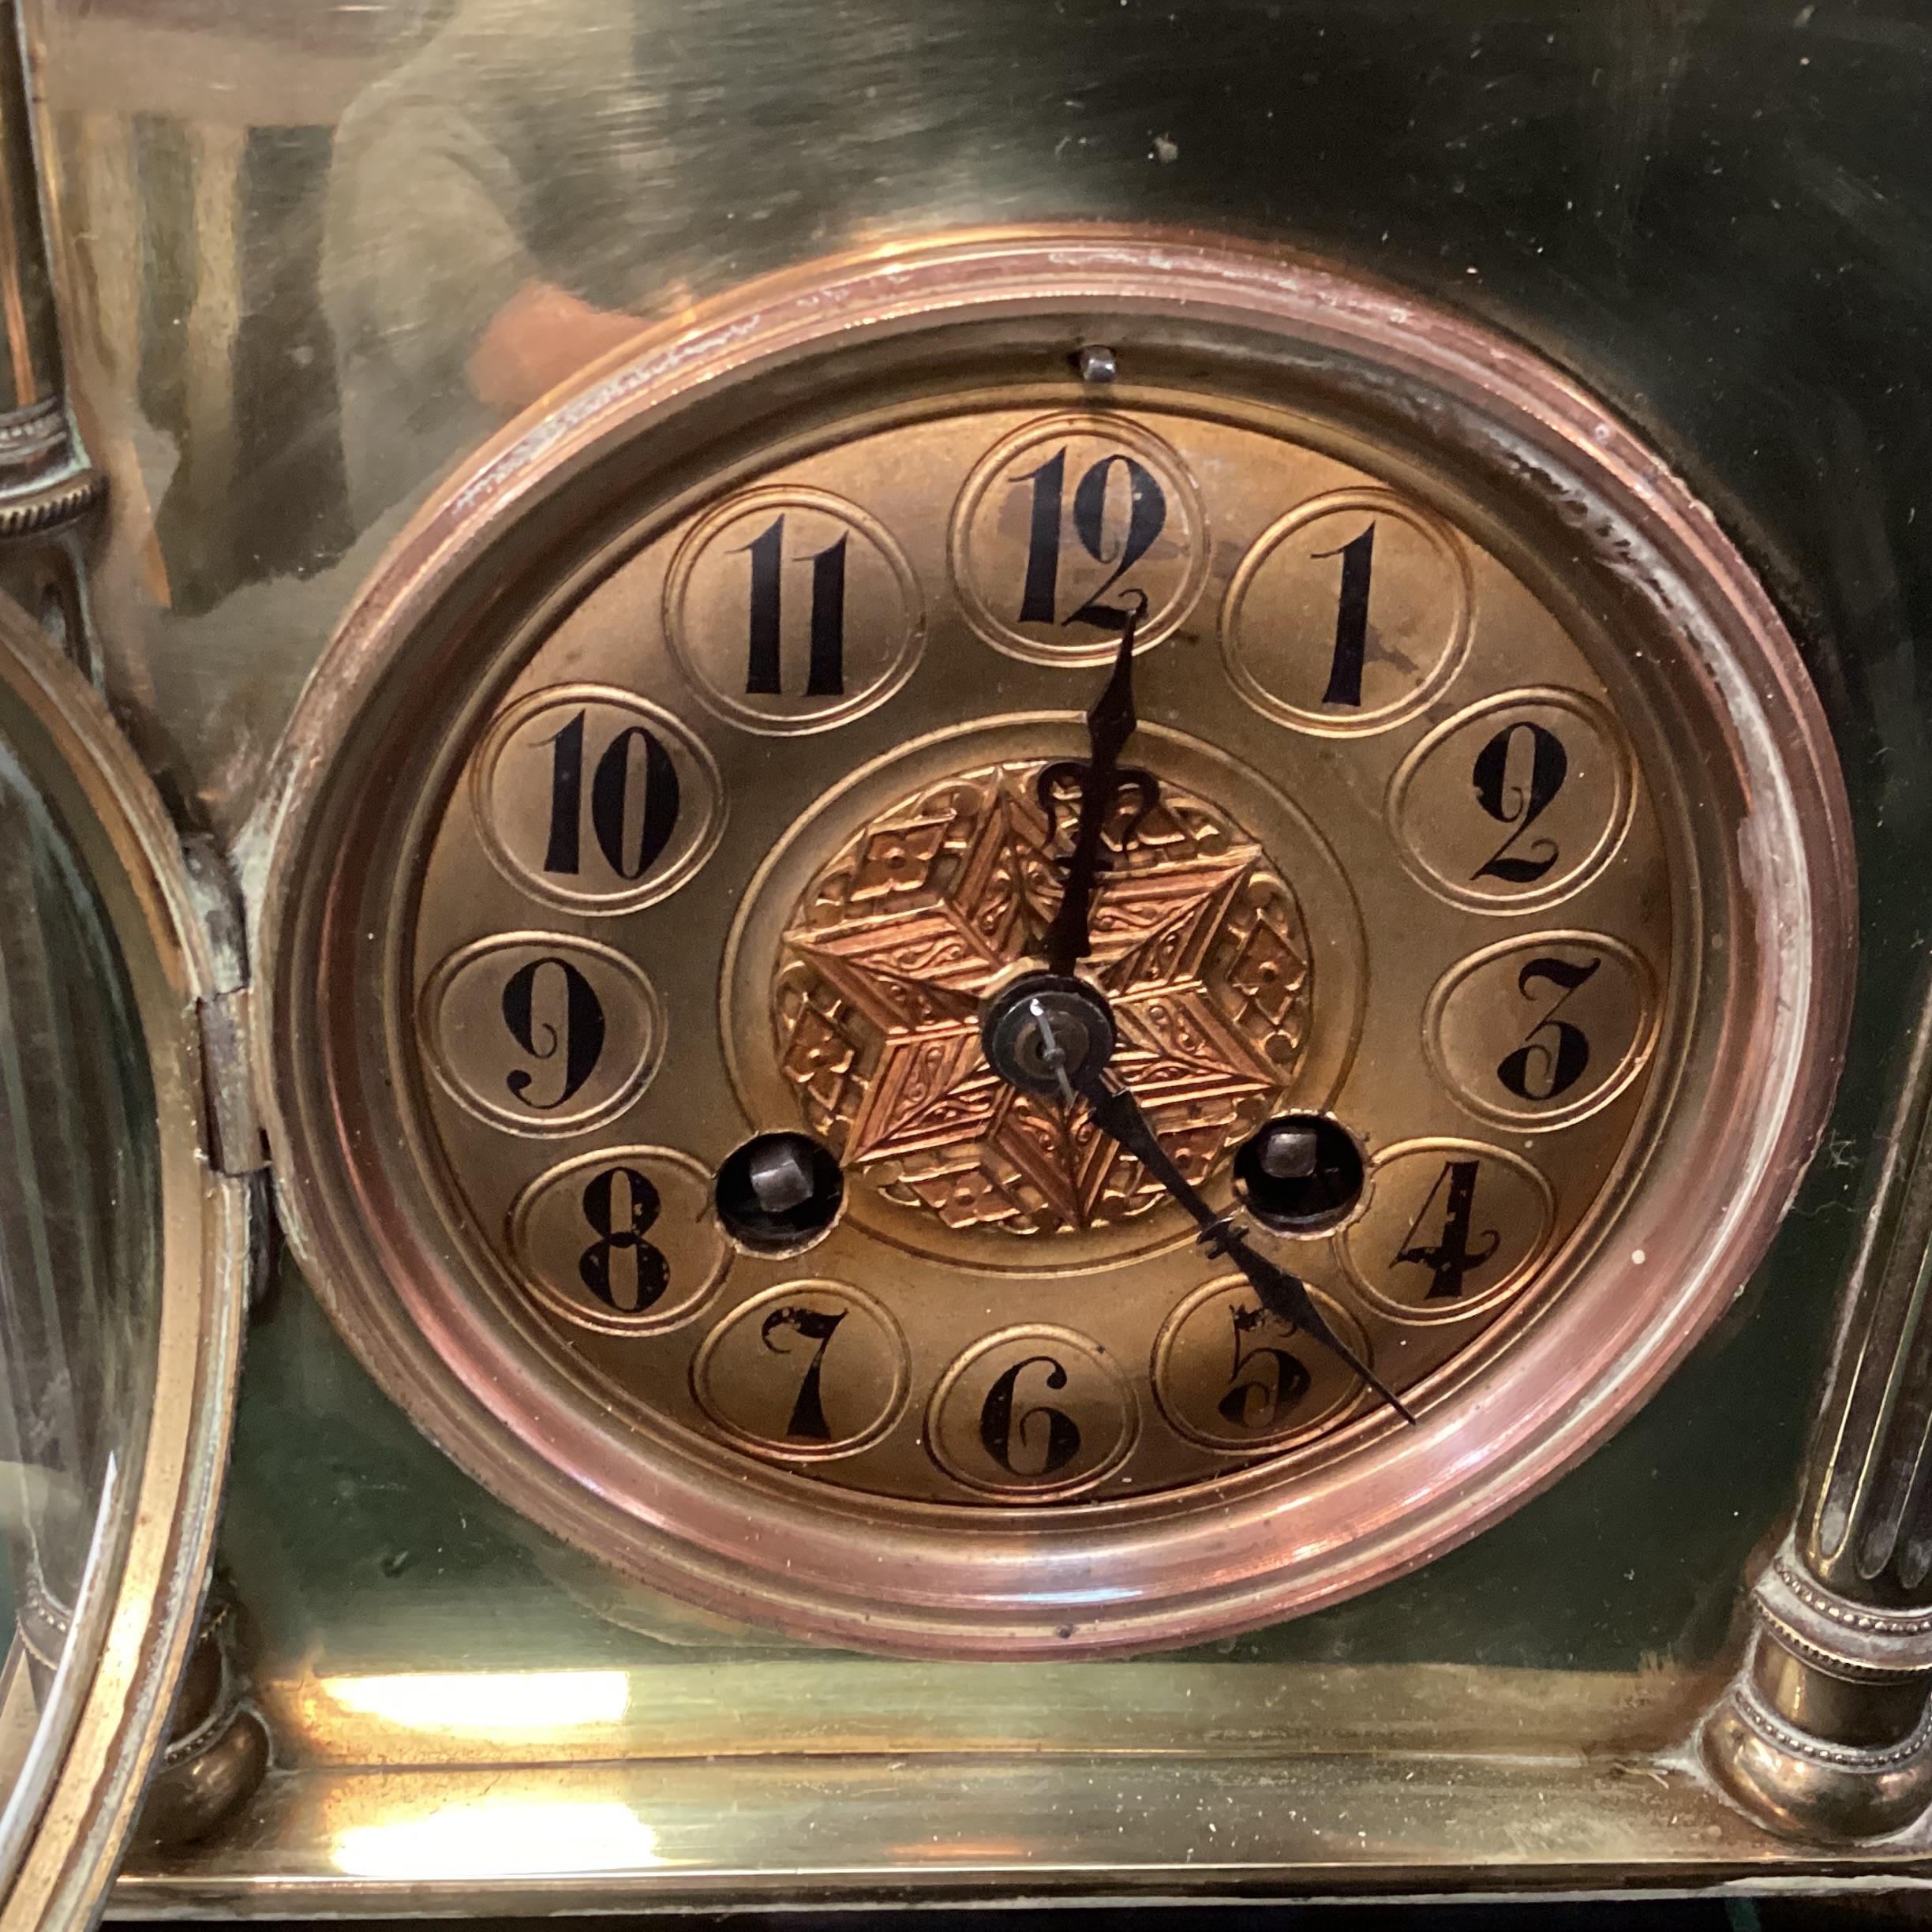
46	483
1824	1733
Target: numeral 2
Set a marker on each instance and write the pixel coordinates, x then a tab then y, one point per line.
1506	799
825	675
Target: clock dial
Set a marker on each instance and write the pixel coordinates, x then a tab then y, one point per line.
727	869
1304	919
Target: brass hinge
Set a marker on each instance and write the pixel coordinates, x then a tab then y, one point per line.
237	1144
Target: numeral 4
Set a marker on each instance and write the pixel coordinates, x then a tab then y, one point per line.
1451	1256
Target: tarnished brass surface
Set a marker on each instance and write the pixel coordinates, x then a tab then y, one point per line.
1709	212
986	1826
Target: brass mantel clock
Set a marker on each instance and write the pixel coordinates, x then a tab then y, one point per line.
885	889
1047	943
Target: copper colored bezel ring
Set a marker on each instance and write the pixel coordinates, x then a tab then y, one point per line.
662	1508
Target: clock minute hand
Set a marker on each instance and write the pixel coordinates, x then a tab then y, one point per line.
1118	1115
1110	723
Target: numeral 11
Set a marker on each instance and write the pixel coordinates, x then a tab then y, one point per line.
826	673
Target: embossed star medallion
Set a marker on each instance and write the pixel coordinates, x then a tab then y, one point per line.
1198	944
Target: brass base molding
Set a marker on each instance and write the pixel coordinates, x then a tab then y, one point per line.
217	1747
1825	1734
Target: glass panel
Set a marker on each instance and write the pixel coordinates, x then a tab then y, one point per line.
80	1280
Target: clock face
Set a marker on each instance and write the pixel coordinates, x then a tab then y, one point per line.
676	1123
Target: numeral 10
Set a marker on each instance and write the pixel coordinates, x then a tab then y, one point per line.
610	801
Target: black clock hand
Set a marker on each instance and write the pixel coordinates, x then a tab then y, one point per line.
1118	1114
1101	779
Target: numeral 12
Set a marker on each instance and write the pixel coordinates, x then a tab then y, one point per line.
1146	516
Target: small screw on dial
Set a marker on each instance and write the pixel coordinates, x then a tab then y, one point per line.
1096	364
1299	1173
779	1193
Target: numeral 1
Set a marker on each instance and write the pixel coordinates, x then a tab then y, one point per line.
1351	634
1451	1256
825	675
1039	599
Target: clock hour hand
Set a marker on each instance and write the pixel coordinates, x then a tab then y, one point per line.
1118	1115
1101	779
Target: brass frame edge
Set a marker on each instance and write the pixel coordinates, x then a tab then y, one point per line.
793	1831
78	755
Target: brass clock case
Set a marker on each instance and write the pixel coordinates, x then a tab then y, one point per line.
683	775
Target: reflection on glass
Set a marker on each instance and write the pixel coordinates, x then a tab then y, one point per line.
79	1281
